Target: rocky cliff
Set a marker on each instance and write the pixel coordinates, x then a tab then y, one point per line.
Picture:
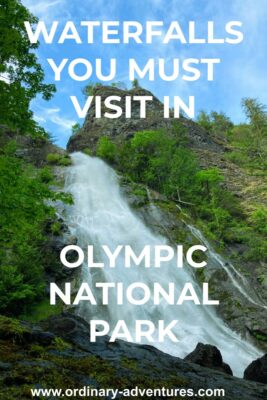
121	129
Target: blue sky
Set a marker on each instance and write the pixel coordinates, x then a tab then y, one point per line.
242	72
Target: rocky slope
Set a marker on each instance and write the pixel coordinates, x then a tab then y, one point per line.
58	354
169	220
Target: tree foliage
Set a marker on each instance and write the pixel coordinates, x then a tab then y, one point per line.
22	77
217	124
23	212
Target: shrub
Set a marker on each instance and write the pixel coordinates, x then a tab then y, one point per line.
46	175
88	151
58	159
65	161
53	158
24	212
106	149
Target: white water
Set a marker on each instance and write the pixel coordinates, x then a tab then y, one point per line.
237	279
101	215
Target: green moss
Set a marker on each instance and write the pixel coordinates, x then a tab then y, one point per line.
261	337
200	275
139	191
87	151
56	228
58	159
61	345
38	351
129	363
262	278
11	328
53	158
65	161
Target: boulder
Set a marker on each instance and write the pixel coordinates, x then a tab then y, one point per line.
208	356
257	370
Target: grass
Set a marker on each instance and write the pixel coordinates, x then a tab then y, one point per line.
42	310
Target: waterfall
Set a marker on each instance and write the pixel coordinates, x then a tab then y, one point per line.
101	216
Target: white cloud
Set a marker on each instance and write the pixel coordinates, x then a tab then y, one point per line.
48	10
53	115
62	122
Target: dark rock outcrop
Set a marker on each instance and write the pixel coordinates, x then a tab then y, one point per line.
121	129
59	352
32	149
257	370
210	357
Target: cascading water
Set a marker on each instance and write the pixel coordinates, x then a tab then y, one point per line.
101	216
238	280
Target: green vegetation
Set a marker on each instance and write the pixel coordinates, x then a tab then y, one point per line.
106	149
146	159
75	128
135	83
247	142
23	191
24	76
46	175
41	310
61	364
217	124
89	89
58	159
88	151
164	162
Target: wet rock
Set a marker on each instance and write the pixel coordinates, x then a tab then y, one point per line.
257	370
210	357
5	366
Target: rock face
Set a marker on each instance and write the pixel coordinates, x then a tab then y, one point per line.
210	357
257	370
121	129
58	353
165	217
33	150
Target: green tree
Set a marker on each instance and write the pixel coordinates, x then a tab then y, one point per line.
218	124
221	124
106	149
22	75
256	114
75	128
209	179
203	119
135	83
23	213
89	89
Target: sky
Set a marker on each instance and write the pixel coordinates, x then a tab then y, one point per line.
241	73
